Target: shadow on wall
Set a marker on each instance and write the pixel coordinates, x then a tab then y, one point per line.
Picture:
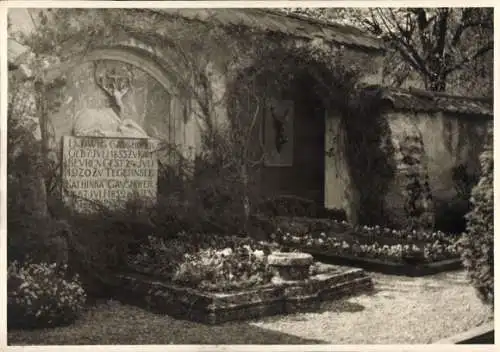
450	214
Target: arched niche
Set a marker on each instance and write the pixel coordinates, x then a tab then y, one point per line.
154	101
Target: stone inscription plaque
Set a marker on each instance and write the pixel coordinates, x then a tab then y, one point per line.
108	171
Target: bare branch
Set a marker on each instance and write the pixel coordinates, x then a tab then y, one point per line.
406	49
480	52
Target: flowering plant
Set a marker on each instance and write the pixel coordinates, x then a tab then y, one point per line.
40	295
405	234
370	246
224	269
158	256
370	233
162	258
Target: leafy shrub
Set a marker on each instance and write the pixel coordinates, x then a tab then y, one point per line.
36	239
100	243
173	214
205	195
306	225
30	230
42	295
477	242
158	257
450	216
219	191
299	207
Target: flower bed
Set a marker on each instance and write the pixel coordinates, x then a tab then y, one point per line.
214	279
205	262
224	270
425	253
327	282
369	245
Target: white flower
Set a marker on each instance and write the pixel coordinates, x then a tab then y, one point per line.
259	253
226	251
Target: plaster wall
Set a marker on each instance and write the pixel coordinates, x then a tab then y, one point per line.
163	111
449	141
339	193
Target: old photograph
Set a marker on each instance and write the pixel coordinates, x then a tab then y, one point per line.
243	175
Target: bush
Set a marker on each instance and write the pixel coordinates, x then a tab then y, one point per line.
450	216
158	257
204	195
42	295
101	242
477	242
298	207
35	239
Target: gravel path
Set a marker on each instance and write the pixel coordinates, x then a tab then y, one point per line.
117	324
401	311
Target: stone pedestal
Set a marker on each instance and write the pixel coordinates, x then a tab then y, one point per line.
292	266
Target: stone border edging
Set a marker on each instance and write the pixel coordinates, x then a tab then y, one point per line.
477	335
216	308
390	268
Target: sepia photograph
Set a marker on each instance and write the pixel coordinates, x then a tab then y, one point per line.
248	175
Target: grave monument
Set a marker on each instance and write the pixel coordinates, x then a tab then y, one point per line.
109	159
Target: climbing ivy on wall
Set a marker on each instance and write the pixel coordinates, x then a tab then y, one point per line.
416	187
370	155
336	82
268	60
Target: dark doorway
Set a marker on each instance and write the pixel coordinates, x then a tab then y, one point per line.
309	149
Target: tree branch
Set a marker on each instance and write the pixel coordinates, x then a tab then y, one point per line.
461	27
480	52
405	48
441	29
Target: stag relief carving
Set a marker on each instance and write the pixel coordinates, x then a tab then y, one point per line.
116	82
279	124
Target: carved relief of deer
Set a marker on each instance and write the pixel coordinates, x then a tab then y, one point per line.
115	84
279	121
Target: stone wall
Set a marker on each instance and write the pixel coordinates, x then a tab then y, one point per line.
448	142
161	104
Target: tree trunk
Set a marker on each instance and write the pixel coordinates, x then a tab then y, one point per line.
246	200
437	84
43	121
